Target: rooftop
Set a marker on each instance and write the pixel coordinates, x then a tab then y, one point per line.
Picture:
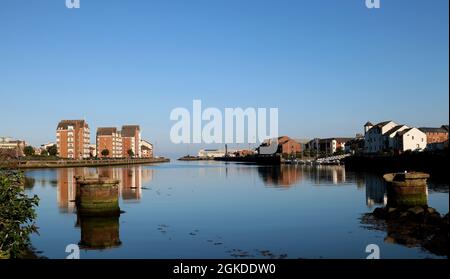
106	131
433	130
129	130
395	129
64	124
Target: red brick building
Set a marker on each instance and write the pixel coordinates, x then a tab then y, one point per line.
109	138
72	139
288	146
436	135
131	140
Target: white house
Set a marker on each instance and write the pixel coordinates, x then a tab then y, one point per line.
146	149
214	153
374	136
410	139
388	135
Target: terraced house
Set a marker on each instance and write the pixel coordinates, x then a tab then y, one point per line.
390	136
72	139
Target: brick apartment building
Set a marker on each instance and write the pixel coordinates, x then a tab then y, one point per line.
131	140
72	139
109	138
436	135
288	146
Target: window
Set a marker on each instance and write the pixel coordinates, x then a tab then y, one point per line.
413	137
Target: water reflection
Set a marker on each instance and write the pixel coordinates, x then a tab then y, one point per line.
286	176
130	186
375	190
132	178
283	176
207	193
98	233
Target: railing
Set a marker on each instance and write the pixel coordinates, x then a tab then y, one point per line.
332	158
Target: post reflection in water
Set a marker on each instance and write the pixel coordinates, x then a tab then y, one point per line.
99	232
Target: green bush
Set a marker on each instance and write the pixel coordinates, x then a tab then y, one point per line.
52	150
17	214
28	150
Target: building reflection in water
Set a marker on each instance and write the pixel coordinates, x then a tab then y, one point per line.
66	190
130	187
375	190
280	176
288	175
326	174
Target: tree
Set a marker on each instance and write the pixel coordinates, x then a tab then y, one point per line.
52	150
44	153
130	152
17	216
105	152
28	151
339	151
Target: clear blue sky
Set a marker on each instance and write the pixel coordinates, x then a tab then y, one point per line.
329	66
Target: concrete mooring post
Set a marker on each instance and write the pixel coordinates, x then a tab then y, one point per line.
407	189
97	196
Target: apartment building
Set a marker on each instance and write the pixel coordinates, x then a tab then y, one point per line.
146	149
436	135
110	139
11	148
131	140
288	146
72	139
328	145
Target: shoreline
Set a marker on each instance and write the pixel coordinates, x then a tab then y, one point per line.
433	163
63	163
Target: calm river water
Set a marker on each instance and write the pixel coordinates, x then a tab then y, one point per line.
219	210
